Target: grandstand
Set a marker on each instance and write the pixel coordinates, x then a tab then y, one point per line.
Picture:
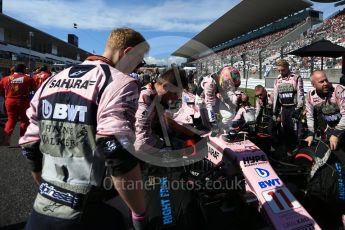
21	43
258	39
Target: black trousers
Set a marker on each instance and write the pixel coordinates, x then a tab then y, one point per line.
288	131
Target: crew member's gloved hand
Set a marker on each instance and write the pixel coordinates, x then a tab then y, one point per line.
140	221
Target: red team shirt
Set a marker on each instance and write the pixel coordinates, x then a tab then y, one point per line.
17	86
40	78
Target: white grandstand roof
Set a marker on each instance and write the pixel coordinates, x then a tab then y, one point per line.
243	18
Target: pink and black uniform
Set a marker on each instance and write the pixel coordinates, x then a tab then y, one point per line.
78	119
326	112
288	92
146	118
224	83
244	115
188	110
263	107
288	101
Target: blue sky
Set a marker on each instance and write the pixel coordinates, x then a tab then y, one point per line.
167	24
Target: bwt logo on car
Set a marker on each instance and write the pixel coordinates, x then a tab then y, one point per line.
63	111
269	183
262	172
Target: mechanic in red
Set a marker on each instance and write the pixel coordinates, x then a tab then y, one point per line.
42	75
16	88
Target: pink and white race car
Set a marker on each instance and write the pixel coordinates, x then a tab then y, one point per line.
276	202
262	184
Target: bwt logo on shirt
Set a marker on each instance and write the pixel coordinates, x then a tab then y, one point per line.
63	111
286	95
333	117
